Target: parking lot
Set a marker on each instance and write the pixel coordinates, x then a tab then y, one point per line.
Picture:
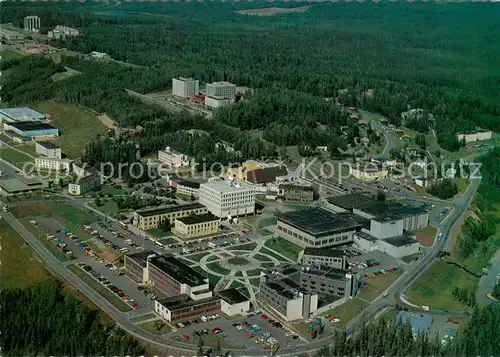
378	261
204	244
243	336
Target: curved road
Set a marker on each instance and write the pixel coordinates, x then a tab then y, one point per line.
395	290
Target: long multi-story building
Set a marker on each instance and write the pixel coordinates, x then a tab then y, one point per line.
85	184
221	90
294	192
32	23
173	158
333	258
188	188
53	164
61	32
228	198
185	87
316	227
196	226
369	172
150	218
48	149
136	266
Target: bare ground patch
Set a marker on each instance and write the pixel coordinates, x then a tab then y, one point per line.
270	11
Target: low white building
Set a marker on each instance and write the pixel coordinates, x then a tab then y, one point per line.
53	164
479	135
96	54
48	149
233	302
173	158
228	198
217	102
399	247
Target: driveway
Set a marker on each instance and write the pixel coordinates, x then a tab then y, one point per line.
487	282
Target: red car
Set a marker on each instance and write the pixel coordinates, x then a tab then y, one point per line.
186	336
265	317
216	330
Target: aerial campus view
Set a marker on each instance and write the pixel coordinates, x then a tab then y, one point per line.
249	179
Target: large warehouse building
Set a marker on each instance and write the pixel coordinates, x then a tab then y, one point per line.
32	130
319	228
10	115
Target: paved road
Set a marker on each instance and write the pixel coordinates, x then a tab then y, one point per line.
487	282
390	140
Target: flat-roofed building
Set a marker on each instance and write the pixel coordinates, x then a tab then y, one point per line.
477	135
173	158
10	115
136	266
150	218
85	184
196	226
221	90
172	277
233	302
368	172
390	219
33	130
185	87
53	164
11	36
316	227
188	188
400	246
333	258
48	149
217	102
228	198
182	307
347	203
295	192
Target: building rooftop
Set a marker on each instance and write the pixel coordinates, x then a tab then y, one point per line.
198	219
266	174
386	211
168	209
226	186
48	145
188	183
183	301
22	114
418	322
141	258
401	241
179	271
331	273
322	252
13	185
44	158
281	287
222	83
366	236
185	79
319	222
350	201
232	296
89	178
296	187
31	126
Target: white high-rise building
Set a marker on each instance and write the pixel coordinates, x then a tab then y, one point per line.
226	199
32	23
221	90
185	87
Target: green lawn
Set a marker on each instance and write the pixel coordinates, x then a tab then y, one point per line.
197	257
107	190
247	246
267	265
255	282
217	268
8	55
261	258
77	125
298	206
376	285
28	149
143	317
254	272
167	241
429	289
284	247
15	157
347	311
21	266
108	207
153	327
159	233
100	289
213	280
269	221
266	251
462	185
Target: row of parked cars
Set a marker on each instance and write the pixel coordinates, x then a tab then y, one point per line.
204	318
105	282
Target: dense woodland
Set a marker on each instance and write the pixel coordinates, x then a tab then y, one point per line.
331	51
43	320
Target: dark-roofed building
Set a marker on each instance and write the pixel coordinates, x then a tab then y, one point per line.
347	203
182	307
150	218
266	174
136	266
399	246
196	226
294	192
48	149
188	188
32	129
233	302
390	219
319	228
172	277
333	258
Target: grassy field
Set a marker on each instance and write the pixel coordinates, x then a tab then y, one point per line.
261	258
347	311
152	327
167	241
158	233
21	266
100	289
429	289
197	257
7	55
14	157
377	285
254	272
248	246
28	148
426	236
217	268
209	340
143	317
77	125
269	221
108	207
282	246
266	251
